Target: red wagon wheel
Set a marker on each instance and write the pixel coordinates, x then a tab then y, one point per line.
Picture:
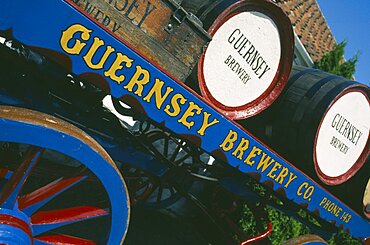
57	185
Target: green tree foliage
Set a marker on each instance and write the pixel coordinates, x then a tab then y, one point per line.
343	238
334	62
285	228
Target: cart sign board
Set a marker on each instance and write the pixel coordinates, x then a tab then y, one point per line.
247	63
342	139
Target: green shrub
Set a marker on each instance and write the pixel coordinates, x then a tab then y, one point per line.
285	228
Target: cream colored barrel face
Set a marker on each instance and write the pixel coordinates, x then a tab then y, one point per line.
343	134
242	59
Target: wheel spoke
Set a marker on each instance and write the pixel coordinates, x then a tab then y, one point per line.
33	201
61	240
140	184
172	190
56	180
165	146
12	188
179	162
176	152
148	191
160	193
48	220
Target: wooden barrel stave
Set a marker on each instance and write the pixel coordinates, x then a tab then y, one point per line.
299	105
311	116
296	101
290	126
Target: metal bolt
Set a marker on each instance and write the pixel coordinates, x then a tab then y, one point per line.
170	27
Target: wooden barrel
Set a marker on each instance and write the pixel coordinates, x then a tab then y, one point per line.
207	10
246	65
320	123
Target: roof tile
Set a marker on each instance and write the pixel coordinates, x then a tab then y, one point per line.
310	26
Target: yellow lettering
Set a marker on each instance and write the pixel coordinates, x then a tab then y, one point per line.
264	162
157	90
189	113
349	218
228	143
299	191
308	193
239	151
291	178
206	123
346	217
175	101
326	205
254	152
335	210
323	201
90	54
338	212
117	65
309	189
284	173
68	34
273	169
140	78
330	208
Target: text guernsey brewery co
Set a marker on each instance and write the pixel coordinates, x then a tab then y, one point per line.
77	40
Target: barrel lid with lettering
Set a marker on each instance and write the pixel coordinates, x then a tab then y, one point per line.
342	139
247	64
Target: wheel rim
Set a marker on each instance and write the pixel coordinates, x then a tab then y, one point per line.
180	154
150	191
36	215
157	192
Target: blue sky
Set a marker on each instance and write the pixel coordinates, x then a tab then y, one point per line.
351	20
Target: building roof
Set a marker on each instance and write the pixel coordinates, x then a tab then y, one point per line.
310	26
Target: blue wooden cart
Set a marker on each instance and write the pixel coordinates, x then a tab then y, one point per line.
59	143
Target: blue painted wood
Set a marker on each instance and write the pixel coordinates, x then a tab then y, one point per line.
36	206
18	180
34	26
38	229
9	233
38	135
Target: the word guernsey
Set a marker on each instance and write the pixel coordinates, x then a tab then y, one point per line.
248	51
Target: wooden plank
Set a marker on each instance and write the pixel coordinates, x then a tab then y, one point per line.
148	26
